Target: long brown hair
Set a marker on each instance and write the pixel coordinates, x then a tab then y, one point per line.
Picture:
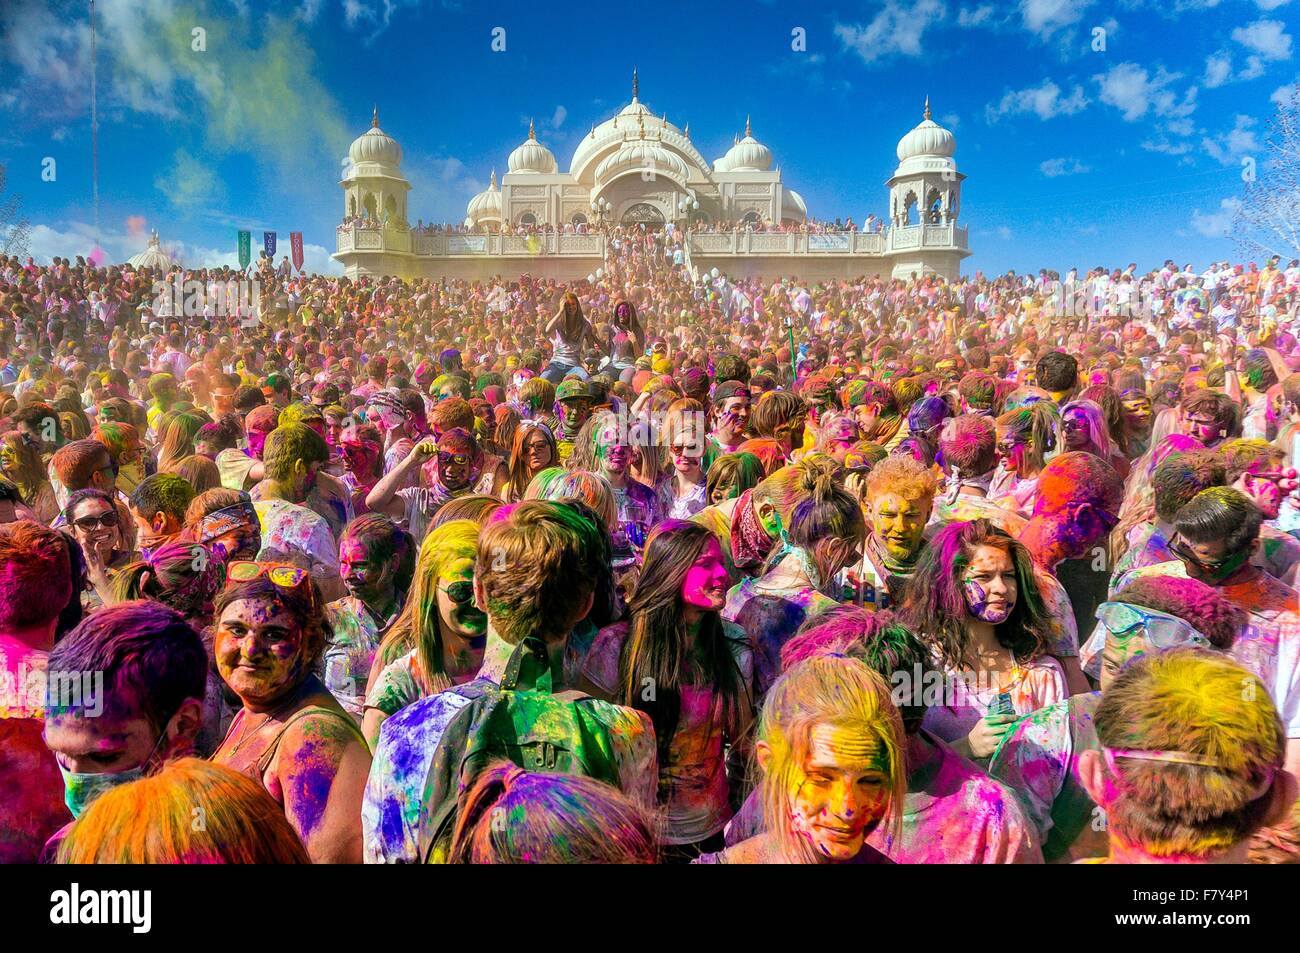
660	652
518	464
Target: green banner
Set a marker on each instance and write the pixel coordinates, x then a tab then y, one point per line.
245	248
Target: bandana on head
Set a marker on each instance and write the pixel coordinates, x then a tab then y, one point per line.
220	522
750	542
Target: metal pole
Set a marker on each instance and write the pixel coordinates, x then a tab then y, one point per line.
94	125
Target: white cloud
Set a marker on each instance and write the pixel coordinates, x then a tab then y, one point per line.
1230	146
1218	69
1054	168
308	10
1167	147
896	29
70	239
1216	224
1283	95
1045	17
1044	100
1271	4
1132	90
1004	233
557	120
1268	38
978	16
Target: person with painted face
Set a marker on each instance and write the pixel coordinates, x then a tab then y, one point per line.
225	521
456	471
128	452
437	640
1083	429
974	596
1210	416
377	563
573	404
1258	470
729	410
142	708
702	670
20	463
637	505
362	449
1138	420
830	751
290	733
1039	756
568	331
293	455
1025	437
900	496
95	521
387	411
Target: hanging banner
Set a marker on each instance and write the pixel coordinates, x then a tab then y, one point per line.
295	245
245	248
268	241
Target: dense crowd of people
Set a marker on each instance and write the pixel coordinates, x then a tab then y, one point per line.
655	567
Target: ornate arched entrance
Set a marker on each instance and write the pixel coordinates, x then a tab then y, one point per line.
643	212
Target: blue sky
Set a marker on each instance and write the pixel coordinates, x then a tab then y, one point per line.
1075	155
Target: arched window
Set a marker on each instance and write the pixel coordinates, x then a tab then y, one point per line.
390	206
933	207
750	218
909	206
352	206
528	218
369	204
578	219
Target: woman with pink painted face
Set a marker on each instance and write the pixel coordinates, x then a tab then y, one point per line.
830	749
290	733
676	659
974	596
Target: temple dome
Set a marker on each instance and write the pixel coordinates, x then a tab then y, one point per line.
152	257
748	155
375	145
487	204
532	156
927	138
639	155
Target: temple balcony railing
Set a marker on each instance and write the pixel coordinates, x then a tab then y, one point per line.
864	244
469	244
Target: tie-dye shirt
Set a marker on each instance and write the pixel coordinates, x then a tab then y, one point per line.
1039	759
293	529
394	796
770	617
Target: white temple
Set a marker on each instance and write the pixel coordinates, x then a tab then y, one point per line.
639	168
152	257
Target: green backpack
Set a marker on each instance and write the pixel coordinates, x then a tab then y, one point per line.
521	722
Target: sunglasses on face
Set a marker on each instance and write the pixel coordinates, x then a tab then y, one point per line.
459	592
450	459
1215	567
89	524
246	570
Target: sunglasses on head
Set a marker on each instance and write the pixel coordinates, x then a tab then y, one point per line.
286	577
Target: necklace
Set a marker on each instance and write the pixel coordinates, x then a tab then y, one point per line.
244	733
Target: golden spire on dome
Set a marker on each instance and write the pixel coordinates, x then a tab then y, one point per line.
636	85
927	106
687	131
593	130
748	131
532	132
374	118
494	179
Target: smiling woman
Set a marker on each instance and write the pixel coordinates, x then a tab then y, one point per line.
291	735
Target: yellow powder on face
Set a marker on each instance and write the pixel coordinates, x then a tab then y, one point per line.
842	749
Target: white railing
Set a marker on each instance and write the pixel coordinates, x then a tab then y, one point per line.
469	244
